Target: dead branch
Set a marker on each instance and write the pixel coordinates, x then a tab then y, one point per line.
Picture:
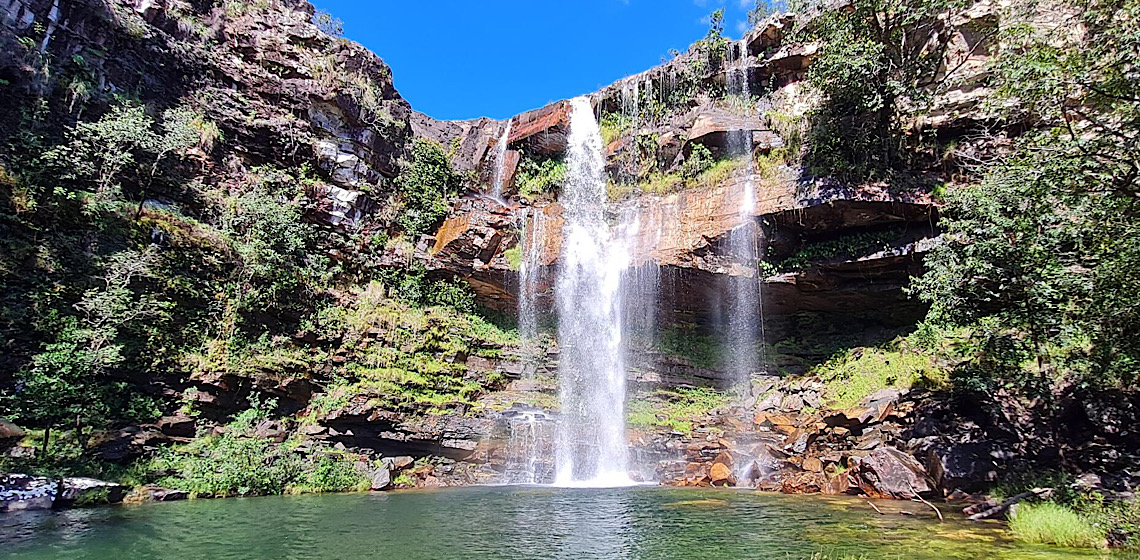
1003	507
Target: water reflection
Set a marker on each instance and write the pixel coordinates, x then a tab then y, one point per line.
511	524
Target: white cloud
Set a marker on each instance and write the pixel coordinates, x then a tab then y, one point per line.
742	27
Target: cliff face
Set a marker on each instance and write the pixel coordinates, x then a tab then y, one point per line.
284	94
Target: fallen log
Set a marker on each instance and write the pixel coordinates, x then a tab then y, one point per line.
1039	493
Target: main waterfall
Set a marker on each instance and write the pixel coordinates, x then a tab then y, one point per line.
591	448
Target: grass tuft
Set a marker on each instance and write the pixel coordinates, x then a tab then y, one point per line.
1051	523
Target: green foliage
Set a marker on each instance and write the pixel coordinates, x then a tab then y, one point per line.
73	378
872	73
514	257
613	126
1051	523
415	359
539	176
675	410
857	374
714	45
1041	249
848	246
328	23
237	463
425	184
1037	247
278	268
687	343
699	160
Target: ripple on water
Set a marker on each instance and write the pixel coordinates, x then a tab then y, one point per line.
512	523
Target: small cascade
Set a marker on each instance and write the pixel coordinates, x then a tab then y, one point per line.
591	447
533	243
631	115
529	440
501	162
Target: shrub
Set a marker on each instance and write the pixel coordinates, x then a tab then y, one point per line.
1051	523
234	464
328	23
425	184
700	160
540	176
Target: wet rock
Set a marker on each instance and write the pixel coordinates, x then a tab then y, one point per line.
398	463
721	475
128	443
813	464
151	493
792	403
381	478
770	402
20	492
887	472
84	492
968	466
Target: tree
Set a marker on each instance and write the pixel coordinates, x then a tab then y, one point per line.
878	62
426	182
1048	244
70	381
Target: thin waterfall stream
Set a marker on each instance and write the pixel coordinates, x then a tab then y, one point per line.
501	162
745	314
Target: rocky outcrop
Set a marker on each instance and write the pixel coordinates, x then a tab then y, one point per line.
10	434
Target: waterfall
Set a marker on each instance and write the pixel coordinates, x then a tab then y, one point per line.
745	311
591	448
501	162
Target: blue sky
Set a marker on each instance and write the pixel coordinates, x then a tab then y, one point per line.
455	59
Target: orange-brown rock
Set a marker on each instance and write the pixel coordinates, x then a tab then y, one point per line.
544	130
812	464
836	484
721	475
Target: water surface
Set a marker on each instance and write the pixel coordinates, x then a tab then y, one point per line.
512	523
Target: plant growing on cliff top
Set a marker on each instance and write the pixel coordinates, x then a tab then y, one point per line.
872	71
425	183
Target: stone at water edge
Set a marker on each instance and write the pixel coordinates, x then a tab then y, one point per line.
20	492
80	492
153	493
721	475
381	479
889	473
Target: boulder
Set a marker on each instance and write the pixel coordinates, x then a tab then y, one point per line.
151	493
83	492
128	443
20	492
813	464
889	473
10	434
969	466
179	425
398	463
721	475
